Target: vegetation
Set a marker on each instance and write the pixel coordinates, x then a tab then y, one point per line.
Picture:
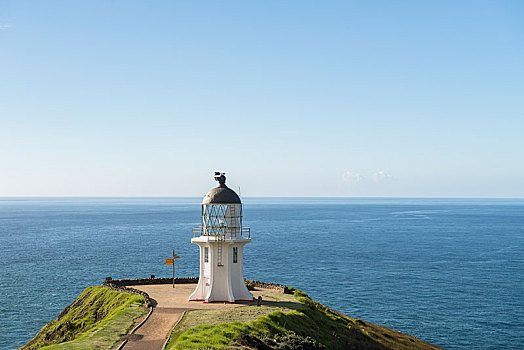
96	320
295	323
284	303
99	317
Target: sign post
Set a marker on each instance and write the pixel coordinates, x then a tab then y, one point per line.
172	262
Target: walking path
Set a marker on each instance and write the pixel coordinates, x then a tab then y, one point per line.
170	305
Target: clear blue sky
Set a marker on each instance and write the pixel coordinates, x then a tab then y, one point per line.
290	98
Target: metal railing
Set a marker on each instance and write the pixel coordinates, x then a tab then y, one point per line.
201	231
246	230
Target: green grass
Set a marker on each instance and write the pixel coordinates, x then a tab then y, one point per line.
300	316
284	302
96	320
99	317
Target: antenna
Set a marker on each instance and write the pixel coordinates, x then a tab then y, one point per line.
239	191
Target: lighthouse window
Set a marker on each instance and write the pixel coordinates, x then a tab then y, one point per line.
219	219
206	254
235	254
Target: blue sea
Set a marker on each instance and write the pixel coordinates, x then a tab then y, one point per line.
449	271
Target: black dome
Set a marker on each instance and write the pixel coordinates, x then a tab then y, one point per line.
221	194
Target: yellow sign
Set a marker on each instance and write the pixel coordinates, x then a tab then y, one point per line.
169	261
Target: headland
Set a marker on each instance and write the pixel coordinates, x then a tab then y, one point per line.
152	314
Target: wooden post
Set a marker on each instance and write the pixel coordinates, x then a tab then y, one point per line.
173	268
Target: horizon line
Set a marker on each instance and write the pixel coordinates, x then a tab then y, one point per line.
287	197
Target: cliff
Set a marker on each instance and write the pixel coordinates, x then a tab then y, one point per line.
294	321
95	320
287	319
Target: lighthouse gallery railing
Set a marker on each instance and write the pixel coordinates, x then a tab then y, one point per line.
201	231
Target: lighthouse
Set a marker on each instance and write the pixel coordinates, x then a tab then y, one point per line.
221	239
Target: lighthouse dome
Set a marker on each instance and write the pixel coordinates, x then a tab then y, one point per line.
221	194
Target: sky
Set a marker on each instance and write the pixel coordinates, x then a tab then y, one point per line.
289	98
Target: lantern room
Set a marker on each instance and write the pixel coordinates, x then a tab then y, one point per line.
221	210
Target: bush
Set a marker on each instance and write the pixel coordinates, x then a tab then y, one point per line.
289	341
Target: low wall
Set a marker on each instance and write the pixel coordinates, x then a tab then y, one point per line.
279	287
124	289
122	285
142	281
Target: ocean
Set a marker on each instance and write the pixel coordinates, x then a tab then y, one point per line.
449	271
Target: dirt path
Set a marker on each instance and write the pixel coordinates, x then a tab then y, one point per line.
170	304
153	333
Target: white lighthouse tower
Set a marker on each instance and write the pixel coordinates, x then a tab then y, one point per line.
221	239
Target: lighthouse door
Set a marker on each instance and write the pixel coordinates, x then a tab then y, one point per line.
207	266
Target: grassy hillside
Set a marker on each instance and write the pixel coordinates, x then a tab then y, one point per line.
96	320
294	322
99	317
